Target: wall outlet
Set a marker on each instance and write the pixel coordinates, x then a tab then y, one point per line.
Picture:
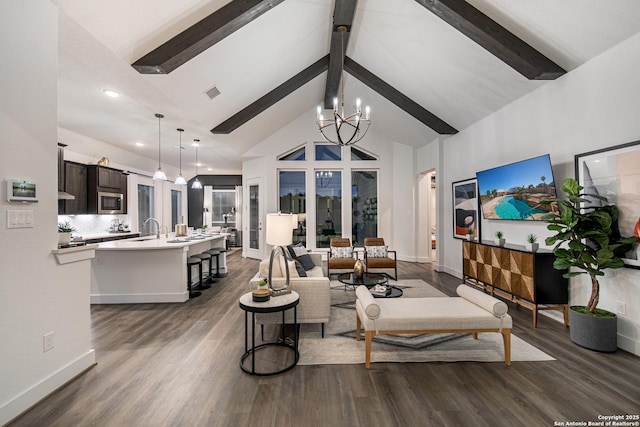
47	341
621	307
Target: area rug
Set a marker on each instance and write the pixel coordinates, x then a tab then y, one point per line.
339	345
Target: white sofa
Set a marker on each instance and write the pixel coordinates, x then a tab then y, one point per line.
471	312
314	291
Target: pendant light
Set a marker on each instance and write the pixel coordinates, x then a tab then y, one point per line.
180	179
196	184
159	175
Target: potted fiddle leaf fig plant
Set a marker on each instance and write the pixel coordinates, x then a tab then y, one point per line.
587	241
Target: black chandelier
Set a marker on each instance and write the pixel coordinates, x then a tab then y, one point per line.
348	129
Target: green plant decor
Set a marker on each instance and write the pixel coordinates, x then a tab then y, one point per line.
532	238
587	240
65	227
499	234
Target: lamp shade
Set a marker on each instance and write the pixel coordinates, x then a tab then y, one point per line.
280	229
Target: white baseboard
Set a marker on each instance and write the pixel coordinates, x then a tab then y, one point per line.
139	298
629	344
39	391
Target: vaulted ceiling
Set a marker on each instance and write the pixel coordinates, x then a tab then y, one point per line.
426	67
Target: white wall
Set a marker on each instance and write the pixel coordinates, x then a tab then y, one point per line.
36	295
592	107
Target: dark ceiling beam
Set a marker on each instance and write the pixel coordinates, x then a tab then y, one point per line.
396	97
496	39
201	36
343	13
257	107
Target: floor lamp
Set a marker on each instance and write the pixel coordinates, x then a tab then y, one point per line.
280	234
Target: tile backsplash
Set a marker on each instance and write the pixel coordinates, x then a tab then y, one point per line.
92	224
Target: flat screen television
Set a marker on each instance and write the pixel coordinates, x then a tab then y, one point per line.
515	191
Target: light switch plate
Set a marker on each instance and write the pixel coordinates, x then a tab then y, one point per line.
20	218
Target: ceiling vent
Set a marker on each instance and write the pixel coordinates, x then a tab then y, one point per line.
213	92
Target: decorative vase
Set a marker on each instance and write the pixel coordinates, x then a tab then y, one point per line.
358	269
501	241
470	237
533	247
594	333
64	238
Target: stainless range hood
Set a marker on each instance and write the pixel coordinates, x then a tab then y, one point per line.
62	195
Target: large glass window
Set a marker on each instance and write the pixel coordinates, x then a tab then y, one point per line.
145	209
364	206
328	206
224	208
293	200
328	152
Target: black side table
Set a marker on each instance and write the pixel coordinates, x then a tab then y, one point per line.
275	304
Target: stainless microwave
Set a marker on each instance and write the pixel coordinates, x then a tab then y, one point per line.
110	203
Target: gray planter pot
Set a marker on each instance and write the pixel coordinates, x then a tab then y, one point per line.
594	333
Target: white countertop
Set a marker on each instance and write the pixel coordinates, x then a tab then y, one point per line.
150	242
87	236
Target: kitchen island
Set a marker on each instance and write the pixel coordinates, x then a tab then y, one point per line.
148	269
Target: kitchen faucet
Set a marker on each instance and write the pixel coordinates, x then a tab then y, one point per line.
157	226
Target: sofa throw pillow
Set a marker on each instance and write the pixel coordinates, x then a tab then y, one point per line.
300	269
293	271
264	269
342	252
376	251
299	253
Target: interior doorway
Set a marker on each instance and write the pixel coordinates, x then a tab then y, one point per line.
427	224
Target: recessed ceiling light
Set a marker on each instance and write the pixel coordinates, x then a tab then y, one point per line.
110	93
139	144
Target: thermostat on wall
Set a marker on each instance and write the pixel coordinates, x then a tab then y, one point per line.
19	190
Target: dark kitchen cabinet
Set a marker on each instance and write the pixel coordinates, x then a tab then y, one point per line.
75	183
105	179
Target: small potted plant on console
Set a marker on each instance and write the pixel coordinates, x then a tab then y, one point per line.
587	241
64	233
500	240
532	244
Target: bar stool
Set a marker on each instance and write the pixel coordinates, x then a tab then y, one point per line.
206	257
191	261
218	274
216	253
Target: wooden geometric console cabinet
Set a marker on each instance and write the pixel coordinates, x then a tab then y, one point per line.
526	278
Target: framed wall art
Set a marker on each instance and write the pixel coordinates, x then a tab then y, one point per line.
614	173
465	209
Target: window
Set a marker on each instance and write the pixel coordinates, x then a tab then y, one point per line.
293	200
224	208
176	207
328	206
364	206
357	154
328	152
298	155
145	208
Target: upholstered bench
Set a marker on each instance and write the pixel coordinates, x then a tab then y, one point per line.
471	312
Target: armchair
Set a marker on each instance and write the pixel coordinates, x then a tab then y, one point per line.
376	255
339	257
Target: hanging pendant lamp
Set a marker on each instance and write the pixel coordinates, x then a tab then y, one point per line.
347	129
180	179
159	175
196	184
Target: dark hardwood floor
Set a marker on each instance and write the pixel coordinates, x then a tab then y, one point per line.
177	365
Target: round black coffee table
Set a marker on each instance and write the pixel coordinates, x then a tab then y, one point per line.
369	280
